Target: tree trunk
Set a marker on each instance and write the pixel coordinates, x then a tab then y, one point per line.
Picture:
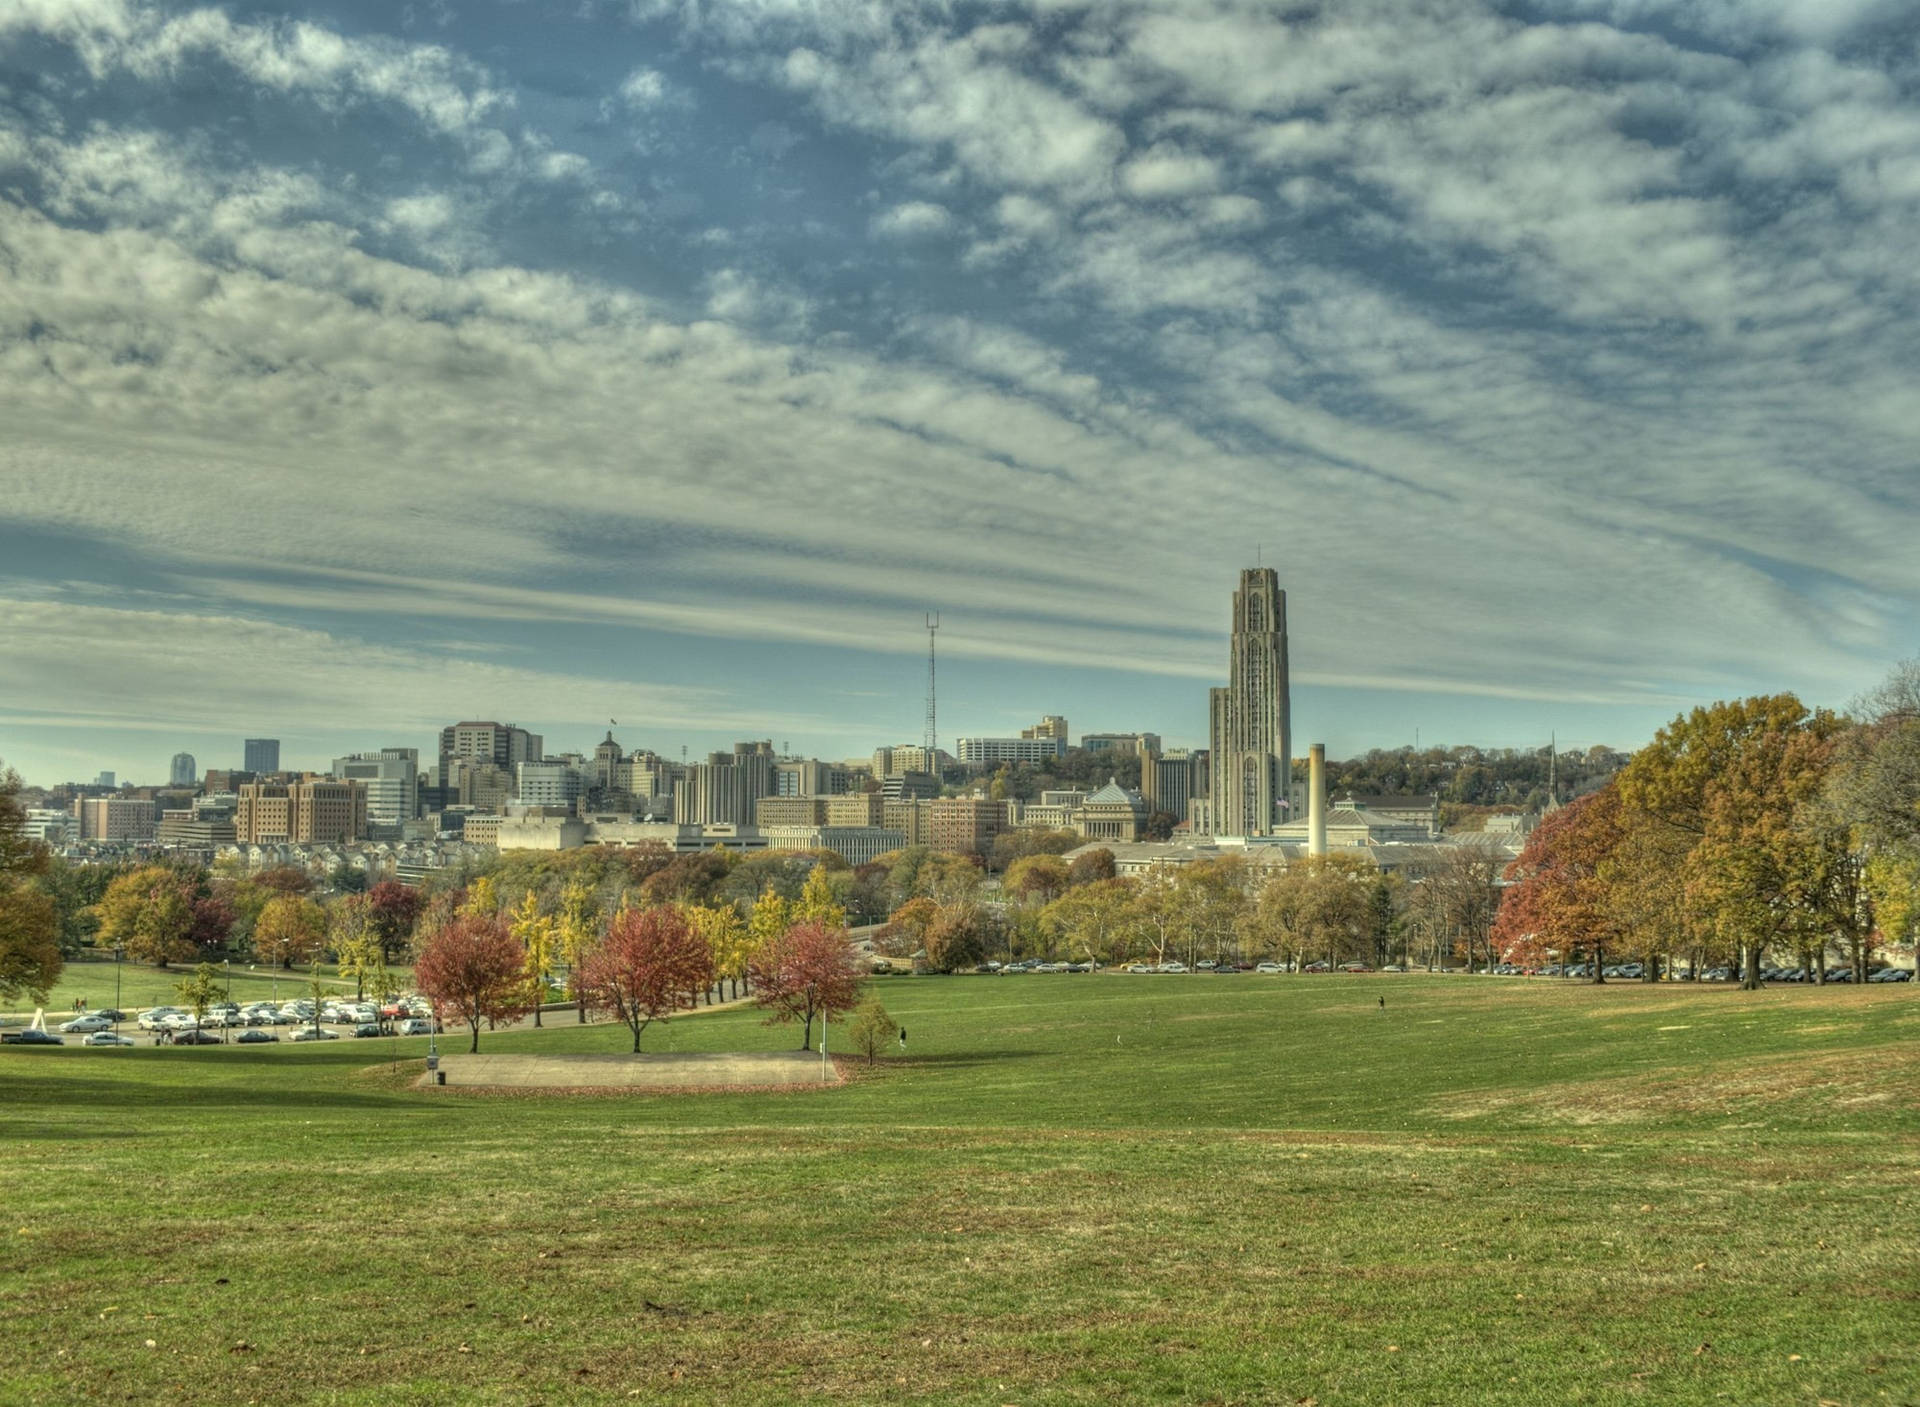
474	1049
536	1014
1749	967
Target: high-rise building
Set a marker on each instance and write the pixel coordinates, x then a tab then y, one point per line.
502	744
115	818
725	788
991	752
183	771
556	782
311	811
262	755
392	779
104	779
1250	729
1120	744
1170	780
1052	726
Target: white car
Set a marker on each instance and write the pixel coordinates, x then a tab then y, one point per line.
156	1018
107	1038
1171	967
1269	967
85	1025
179	1021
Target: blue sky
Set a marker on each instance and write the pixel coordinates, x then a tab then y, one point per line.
371	366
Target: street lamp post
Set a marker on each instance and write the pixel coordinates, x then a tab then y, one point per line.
116	988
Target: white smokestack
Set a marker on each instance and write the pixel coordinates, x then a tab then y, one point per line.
1317	799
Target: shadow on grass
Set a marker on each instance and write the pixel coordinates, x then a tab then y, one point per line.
89	1094
958	1059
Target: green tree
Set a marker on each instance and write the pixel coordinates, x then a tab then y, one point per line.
199	991
30	960
873	1030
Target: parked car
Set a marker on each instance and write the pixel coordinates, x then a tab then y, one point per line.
1891	974
197	1037
366	1029
420	1026
1354	967
85	1025
1269	967
313	1033
256	1036
156	1017
1318	967
33	1035
108	1038
113	1013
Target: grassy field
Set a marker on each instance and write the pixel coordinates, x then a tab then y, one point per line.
1069	1190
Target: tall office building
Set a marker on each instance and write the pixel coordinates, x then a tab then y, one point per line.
726	787
501	744
392	779
1249	725
183	771
263	755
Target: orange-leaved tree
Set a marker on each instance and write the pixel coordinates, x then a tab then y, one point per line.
806	971
652	963
473	968
1557	901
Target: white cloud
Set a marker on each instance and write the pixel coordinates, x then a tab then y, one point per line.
913	219
1166	172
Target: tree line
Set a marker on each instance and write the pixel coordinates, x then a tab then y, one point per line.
1745	829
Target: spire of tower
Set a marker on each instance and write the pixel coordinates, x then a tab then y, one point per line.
933	734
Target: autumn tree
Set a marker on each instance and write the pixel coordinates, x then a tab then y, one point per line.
725	934
1212	899
148	913
356	949
959	936
284	879
1725	780
534	930
576	931
817	904
1095	920
651	964
1036	879
1092	866
290	929
805	972
30	960
1558	899
473	968
392	911
905	932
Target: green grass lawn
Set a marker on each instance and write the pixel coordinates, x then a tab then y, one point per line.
1069	1190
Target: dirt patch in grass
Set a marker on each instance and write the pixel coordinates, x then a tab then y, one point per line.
1837	1076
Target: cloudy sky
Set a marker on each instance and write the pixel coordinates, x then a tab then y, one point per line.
381	364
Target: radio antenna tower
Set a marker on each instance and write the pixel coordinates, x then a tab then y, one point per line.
933	733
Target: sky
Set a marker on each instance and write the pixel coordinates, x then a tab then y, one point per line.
371	366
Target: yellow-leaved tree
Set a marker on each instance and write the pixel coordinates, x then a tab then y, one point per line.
536	932
817	904
722	930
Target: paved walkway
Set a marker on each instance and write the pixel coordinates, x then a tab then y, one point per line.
667	1070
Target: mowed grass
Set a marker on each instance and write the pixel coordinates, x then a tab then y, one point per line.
1068	1190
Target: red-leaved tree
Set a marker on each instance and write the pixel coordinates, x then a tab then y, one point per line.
809	970
473	967
1559	897
651	964
392	911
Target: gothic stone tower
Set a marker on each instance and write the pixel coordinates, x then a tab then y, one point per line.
1250	730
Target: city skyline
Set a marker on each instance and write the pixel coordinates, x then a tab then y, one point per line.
667	363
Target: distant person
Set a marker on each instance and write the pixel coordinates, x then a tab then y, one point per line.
903	1038
1383	1003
